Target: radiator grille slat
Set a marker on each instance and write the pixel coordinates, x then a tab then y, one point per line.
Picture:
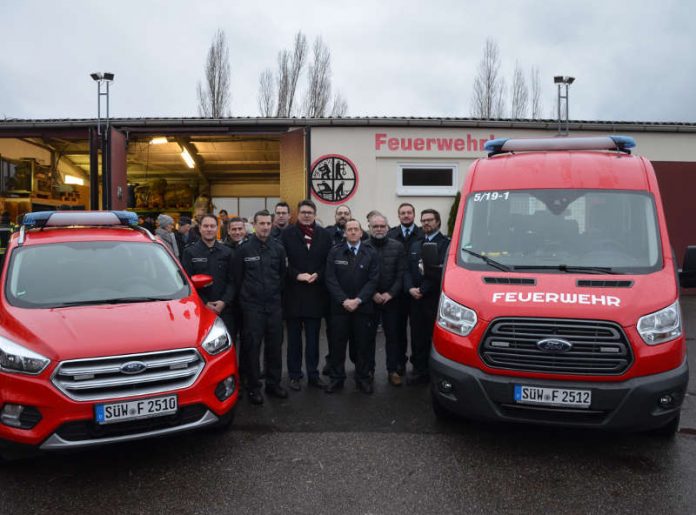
103	377
598	347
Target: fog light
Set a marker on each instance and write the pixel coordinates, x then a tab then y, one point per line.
225	388
445	386
10	415
666	401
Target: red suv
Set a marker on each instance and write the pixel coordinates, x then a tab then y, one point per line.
103	337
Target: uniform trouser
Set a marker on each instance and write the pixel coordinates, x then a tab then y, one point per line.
351	345
388	314
359	328
262	329
232	316
423	313
404	313
311	329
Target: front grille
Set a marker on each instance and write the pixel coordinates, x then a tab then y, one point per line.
90	430
509	280
598	348
603	284
104	378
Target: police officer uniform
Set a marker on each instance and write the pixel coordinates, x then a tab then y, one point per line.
424	310
406	236
259	272
352	272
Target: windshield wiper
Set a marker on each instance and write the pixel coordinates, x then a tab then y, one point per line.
570	269
488	260
118	300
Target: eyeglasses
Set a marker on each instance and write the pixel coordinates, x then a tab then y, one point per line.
427	220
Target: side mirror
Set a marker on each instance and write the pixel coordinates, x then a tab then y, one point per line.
201	281
687	274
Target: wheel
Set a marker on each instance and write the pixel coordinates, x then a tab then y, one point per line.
441	413
669	430
224	422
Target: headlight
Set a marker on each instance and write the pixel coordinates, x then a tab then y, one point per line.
15	358
661	326
455	317
218	339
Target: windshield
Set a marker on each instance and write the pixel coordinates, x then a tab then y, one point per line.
577	231
95	272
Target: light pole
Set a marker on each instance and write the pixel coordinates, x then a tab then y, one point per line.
560	80
104	79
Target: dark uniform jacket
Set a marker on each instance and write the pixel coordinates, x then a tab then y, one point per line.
276	232
259	274
392	265
302	299
429	284
338	236
397	234
349	276
215	261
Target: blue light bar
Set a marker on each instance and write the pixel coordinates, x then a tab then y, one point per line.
42	219
502	145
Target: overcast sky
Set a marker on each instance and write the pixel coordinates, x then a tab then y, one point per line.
633	61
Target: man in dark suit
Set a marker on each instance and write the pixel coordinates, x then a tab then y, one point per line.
406	233
424	289
352	274
307	246
337	231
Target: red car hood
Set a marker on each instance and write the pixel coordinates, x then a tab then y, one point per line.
559	296
90	331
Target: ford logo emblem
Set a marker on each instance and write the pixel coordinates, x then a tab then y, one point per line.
554	345
133	367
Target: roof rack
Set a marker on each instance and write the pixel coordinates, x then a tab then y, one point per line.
505	145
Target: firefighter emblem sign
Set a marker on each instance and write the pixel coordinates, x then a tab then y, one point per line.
334	179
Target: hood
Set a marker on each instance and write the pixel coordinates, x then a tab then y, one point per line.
92	331
559	295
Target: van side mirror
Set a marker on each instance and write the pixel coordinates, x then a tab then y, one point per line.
201	281
429	256
687	274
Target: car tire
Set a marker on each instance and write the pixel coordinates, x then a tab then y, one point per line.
669	430
224	422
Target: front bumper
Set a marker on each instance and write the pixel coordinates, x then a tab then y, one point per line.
630	405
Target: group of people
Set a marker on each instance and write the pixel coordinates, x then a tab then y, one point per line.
301	273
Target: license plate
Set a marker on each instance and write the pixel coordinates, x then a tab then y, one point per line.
543	396
135	410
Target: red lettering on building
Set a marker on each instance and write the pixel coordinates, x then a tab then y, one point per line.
459	144
418	144
393	144
444	144
380	138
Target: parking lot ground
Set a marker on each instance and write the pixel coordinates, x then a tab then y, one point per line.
385	453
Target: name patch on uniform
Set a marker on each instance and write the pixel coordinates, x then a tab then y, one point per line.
340	262
252	258
199	260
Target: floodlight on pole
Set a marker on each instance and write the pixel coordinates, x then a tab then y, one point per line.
567	81
104	78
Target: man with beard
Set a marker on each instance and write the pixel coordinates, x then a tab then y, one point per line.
259	272
281	219
352	273
405	233
337	231
392	265
424	289
306	246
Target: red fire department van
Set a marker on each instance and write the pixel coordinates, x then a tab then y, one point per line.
560	294
103	338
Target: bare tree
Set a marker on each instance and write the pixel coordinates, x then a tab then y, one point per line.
520	94
339	108
536	93
284	85
266	96
319	81
486	101
214	93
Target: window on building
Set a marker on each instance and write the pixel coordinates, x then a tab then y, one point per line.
427	179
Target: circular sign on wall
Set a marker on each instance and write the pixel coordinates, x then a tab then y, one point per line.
334	179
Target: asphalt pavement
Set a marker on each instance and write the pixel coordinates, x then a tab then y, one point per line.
385	453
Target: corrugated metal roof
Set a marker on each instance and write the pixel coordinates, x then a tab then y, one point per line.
372	121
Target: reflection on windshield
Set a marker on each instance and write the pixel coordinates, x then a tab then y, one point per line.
561	230
84	273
